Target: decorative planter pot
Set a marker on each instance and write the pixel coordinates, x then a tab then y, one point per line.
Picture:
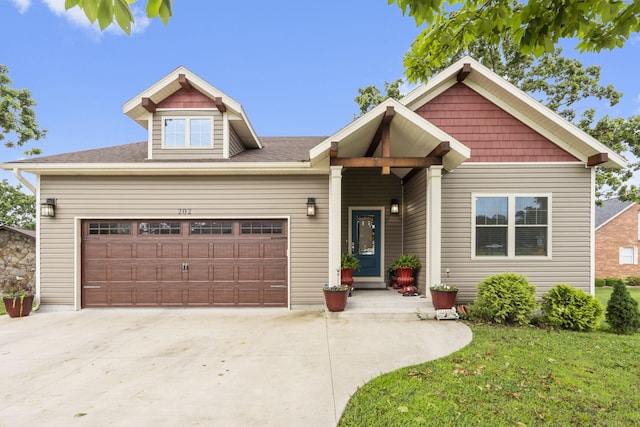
18	306
336	300
346	278
443	300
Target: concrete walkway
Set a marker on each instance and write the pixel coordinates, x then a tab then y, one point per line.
210	367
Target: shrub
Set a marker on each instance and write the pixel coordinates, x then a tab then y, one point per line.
505	298
600	283
566	307
632	281
622	311
613	280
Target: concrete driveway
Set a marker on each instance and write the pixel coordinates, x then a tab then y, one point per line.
210	367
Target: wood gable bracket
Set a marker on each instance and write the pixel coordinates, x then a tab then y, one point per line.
219	104
464	72
149	105
597	159
184	83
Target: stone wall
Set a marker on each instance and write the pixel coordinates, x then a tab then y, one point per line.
17	258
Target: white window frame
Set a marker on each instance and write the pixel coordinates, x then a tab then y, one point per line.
187	132
621	256
511	226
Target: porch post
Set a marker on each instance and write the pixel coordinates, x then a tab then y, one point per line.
335	222
434	224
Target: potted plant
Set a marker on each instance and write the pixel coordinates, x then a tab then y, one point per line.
18	300
443	296
335	296
405	265
348	264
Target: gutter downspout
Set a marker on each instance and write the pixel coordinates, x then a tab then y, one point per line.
18	174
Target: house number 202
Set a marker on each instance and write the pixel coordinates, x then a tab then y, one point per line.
184	211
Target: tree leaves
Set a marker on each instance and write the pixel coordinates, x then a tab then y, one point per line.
535	26
17	119
106	11
17	209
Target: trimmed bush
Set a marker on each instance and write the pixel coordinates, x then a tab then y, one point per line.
622	311
613	280
505	298
566	307
632	281
600	283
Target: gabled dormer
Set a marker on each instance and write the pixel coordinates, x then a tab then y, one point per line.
187	118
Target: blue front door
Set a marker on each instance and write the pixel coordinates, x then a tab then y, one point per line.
365	238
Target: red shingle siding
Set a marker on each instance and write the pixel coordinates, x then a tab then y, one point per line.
620	232
187	98
492	134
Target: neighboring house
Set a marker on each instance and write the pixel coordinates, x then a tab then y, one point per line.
206	213
17	257
617	239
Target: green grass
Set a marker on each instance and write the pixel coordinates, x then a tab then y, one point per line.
512	377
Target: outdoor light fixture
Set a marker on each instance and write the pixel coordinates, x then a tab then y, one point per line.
311	206
395	207
48	208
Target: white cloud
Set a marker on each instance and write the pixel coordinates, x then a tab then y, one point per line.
22	5
77	17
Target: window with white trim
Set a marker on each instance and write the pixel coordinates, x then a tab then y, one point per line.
187	132
629	255
511	225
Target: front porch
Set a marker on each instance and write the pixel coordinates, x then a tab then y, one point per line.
385	303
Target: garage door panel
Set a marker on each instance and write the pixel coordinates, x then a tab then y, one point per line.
94	250
207	265
275	250
248	250
170	296
224	250
224	273
120	250
224	296
146	250
275	272
171	250
198	250
248	295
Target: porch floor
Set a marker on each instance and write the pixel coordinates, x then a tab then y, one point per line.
385	303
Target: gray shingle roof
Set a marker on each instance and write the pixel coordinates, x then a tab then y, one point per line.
275	149
609	209
29	233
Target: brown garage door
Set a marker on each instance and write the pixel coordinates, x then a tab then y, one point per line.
184	263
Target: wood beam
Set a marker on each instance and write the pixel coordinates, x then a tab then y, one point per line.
386	121
464	72
149	105
442	149
597	159
333	153
386	135
380	162
182	79
219	104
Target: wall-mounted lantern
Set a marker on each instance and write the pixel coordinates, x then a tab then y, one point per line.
311	206
395	207
48	208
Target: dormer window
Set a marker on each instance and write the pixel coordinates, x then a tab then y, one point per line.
187	132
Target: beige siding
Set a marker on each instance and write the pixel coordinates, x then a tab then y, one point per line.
206	197
569	186
235	145
367	187
415	223
181	154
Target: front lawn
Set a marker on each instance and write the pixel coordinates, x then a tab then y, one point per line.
512	377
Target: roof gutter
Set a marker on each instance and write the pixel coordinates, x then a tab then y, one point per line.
18	174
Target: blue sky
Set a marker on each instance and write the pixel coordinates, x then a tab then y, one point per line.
294	66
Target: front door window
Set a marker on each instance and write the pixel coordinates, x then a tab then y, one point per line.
366	231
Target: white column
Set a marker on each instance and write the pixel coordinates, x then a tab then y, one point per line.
335	222
434	224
